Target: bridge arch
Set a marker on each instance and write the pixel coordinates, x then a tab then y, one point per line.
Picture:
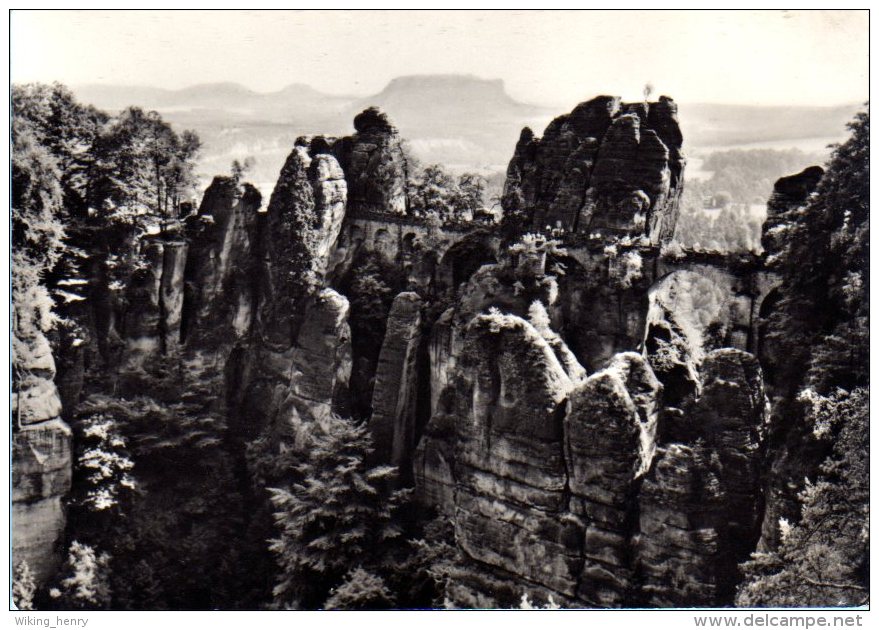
690	311
464	258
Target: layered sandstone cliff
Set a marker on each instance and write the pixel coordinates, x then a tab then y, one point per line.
607	167
375	166
566	487
41	461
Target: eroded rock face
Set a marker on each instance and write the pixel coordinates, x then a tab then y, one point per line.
42	461
538	467
793	191
394	397
374	164
219	275
639	484
606	167
172	293
509	459
322	363
564	484
297	383
143	316
731	414
302	223
610	443
35	397
789	194
330	195
289	242
679	546
41	477
603	304
154	314
715	451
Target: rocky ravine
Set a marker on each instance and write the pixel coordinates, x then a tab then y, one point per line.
587	441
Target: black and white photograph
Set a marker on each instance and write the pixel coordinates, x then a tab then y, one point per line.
381	310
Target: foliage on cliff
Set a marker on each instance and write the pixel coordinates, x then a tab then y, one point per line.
821	329
108	180
37	241
292	235
824	559
822	319
85	585
24	589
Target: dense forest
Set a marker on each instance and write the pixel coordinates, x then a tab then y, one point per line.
181	500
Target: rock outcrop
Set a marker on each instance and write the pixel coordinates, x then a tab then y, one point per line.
678	548
374	164
566	409
220	266
789	194
701	505
508	463
607	167
155	296
299	360
143	317
310	378
794	454
41	477
573	487
610	431
538	478
395	394
42	460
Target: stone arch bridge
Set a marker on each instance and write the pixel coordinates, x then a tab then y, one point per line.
438	258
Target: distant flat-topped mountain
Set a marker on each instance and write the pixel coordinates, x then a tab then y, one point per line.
419	97
459	120
462	121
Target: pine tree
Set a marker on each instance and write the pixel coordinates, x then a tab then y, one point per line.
335	516
822	319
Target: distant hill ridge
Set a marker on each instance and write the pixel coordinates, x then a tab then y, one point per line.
463	121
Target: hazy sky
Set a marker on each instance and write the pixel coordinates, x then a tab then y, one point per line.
556	57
